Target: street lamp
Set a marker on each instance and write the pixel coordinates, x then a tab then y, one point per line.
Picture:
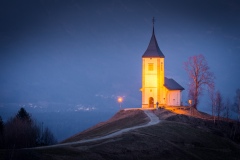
190	103
120	100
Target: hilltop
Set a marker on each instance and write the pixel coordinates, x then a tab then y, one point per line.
177	136
122	119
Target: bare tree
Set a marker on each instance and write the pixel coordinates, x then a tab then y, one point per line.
199	76
1	132
1	125
48	138
237	104
227	108
212	95
219	104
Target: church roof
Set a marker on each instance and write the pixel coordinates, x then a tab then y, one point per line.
171	84
153	49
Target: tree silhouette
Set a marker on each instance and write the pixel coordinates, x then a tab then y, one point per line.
1	132
48	138
219	104
22	132
212	96
23	115
237	104
227	108
1	126
199	76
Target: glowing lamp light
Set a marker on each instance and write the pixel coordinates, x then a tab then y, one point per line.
120	100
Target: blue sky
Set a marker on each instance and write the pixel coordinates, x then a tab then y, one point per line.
89	52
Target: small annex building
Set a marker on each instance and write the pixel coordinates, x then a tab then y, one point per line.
156	88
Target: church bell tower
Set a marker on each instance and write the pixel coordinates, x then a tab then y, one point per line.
153	91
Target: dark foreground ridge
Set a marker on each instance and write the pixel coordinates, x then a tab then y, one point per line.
177	136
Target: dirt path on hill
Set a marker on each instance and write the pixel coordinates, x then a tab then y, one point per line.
153	120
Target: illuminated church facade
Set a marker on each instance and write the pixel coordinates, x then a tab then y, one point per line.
157	90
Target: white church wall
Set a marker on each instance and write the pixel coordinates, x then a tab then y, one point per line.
174	98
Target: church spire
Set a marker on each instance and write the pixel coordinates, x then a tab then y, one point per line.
153	21
153	49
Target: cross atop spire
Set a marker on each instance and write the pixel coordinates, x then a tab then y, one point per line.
153	49
153	21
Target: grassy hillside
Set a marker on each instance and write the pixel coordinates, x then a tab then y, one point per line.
122	119
176	137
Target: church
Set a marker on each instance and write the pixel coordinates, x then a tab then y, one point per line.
157	90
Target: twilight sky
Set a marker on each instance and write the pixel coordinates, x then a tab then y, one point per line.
89	52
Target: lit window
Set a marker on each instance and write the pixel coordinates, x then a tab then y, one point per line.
150	66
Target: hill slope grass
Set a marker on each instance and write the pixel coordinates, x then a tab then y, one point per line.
166	140
176	137
122	119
